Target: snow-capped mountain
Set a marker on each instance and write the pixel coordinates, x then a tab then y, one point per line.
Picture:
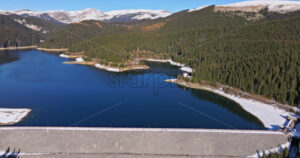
139	14
92	14
76	16
61	16
279	6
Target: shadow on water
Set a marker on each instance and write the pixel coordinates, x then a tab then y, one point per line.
293	152
226	103
11	154
8	56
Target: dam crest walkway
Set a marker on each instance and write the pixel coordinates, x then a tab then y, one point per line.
63	142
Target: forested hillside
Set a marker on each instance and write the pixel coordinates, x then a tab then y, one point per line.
261	58
256	52
78	32
24	31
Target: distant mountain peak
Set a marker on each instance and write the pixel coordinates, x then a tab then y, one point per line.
23	10
90	9
93	14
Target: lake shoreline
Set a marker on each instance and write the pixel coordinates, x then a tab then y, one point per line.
183	67
35	47
272	116
80	61
19	48
53	50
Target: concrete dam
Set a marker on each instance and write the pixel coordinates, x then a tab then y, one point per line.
52	142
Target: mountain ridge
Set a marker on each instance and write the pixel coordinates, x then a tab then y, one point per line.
280	6
68	17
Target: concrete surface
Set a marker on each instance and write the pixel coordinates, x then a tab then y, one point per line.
134	143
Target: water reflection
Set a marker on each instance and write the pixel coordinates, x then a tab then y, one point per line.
8	56
226	103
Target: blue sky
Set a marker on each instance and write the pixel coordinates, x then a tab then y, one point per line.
107	5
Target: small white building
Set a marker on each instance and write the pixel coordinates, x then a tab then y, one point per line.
187	75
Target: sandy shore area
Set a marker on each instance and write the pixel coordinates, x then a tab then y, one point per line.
35	47
12	116
19	48
271	116
52	50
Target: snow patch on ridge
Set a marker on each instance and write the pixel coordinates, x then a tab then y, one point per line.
272	5
30	26
87	14
199	8
3	12
280	6
141	13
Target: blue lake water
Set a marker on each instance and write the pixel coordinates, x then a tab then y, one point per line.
75	95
